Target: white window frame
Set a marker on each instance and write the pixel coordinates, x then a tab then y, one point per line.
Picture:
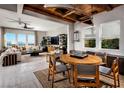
89	37
105	49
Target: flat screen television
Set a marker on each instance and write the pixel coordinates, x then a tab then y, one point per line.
55	40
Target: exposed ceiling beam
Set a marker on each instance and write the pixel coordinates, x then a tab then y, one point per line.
86	20
20	8
58	5
69	13
84	17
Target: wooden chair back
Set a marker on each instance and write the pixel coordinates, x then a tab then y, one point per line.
115	70
56	69
50	48
86	72
112	78
52	61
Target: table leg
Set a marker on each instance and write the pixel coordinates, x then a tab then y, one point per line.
75	75
98	74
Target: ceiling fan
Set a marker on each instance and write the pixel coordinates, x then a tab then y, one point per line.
20	22
26	27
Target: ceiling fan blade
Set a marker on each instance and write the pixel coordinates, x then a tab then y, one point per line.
30	28
13	21
18	21
58	5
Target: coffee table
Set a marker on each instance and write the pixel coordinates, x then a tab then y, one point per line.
34	53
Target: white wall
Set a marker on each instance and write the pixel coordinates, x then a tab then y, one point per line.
0	38
79	27
40	36
61	30
116	14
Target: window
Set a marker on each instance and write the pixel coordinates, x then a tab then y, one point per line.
90	37
21	39
110	35
10	39
31	39
90	43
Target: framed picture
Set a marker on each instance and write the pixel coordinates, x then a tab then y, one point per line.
76	36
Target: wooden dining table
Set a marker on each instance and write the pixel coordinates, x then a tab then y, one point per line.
88	60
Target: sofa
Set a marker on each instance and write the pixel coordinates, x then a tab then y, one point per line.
10	55
28	49
9	59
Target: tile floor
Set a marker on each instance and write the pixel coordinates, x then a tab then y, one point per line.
21	75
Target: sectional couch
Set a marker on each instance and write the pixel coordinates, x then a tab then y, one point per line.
10	57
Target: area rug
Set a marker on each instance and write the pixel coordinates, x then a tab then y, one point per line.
42	76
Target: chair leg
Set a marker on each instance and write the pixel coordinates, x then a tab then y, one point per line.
68	76
49	76
53	79
72	78
118	83
76	86
49	73
110	86
63	73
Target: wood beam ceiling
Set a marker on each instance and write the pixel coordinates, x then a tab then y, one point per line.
47	13
78	12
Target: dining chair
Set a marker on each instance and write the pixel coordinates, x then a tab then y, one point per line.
90	52
50	48
111	75
86	75
103	68
56	69
104	58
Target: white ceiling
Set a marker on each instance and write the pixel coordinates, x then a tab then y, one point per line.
39	24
